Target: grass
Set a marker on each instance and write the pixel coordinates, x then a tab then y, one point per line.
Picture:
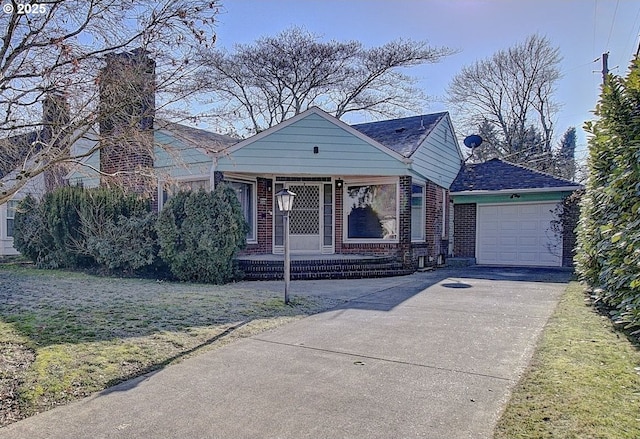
66	335
583	382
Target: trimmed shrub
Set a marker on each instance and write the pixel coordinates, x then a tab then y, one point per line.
74	227
200	233
126	244
31	236
118	230
61	210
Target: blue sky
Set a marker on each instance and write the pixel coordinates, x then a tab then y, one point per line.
582	29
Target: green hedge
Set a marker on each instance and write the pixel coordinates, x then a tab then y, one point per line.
73	227
608	254
200	233
195	237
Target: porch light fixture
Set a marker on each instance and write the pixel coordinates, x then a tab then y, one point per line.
285	204
339	184
285	200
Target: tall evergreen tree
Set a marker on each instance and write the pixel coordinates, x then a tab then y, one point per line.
565	162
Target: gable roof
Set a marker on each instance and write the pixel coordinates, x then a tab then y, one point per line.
317	111
189	137
498	175
403	135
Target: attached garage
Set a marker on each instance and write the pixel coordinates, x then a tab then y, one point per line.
518	235
505	214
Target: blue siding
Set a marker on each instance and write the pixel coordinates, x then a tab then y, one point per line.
289	150
173	159
87	175
438	157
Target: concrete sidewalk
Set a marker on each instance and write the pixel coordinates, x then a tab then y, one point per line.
430	355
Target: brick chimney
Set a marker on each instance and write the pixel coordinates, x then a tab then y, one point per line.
55	125
127	110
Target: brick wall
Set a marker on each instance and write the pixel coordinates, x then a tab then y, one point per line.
464	230
404	223
437	237
404	251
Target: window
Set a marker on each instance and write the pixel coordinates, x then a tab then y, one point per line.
245	191
11	214
193	185
173	187
417	212
371	211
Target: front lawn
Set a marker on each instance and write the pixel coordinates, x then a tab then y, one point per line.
66	335
583	382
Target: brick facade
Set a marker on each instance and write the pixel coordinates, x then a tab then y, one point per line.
404	251
464	230
436	199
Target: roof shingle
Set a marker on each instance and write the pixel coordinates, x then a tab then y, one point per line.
495	175
403	135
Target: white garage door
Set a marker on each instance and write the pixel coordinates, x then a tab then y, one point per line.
517	234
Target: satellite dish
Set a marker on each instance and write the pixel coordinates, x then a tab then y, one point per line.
472	141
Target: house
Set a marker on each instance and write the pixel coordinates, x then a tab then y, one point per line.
506	214
377	190
372	199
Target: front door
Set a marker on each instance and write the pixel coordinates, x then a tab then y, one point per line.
305	220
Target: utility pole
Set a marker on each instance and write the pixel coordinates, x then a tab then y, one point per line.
605	67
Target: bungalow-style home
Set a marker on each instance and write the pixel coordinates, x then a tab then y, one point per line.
371	199
377	190
506	214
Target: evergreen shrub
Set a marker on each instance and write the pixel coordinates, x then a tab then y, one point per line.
200	233
608	254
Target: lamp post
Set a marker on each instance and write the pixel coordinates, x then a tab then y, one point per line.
285	204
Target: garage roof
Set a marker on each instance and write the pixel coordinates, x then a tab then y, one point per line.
497	175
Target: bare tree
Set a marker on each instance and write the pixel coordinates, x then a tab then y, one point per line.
52	60
510	96
278	77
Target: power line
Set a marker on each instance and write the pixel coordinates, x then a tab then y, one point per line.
633	35
613	20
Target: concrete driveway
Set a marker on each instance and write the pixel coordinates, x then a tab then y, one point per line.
431	355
